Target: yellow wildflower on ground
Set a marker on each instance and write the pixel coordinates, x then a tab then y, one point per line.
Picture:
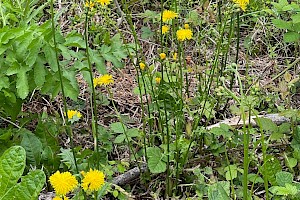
142	65
89	4
242	3
104	2
93	180
164	29
186	26
72	113
184	34
162	56
157	80
168	15
105	79
63	183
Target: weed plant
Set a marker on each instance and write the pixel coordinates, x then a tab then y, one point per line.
194	66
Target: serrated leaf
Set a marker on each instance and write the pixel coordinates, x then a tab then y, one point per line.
29	188
70	85
291	37
22	84
32	146
270	168
284	177
68	158
12	164
50	57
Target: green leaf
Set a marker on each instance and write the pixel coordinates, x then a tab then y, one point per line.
29	188
34	50
155	163
12	164
296	18
291	162
146	32
133	132
289	189
50	57
32	146
270	168
22	84
218	191
39	73
99	62
4	83
120	139
254	178
117	127
291	37
279	23
268	125
75	40
231	172
68	158
70	84
223	130
284	177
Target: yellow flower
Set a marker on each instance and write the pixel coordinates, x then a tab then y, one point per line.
59	198
105	79
175	56
72	113
63	183
186	26
242	3
164	29
93	180
89	4
184	34
162	56
142	66
104	2
168	15
157	80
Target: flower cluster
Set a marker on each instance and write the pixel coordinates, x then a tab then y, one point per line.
242	3
103	80
91	4
64	183
184	34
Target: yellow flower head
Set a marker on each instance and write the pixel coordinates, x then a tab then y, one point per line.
164	29
104	2
59	198
72	113
157	80
168	15
142	66
186	26
162	56
89	4
175	56
63	183
103	80
93	180
242	3
184	34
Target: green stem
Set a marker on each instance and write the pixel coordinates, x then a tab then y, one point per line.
93	101
246	153
69	130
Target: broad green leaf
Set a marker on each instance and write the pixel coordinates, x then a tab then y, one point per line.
289	189
39	73
50	57
279	23
284	177
12	164
29	188
146	32
68	158
254	178
291	37
99	62
120	139
34	50
223	130
23	43
268	125
218	191
296	18
22	84
155	162
118	127
32	146
70	85
231	172
133	132
291	162
75	40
